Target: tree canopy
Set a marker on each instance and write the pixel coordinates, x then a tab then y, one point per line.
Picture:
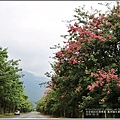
87	68
12	94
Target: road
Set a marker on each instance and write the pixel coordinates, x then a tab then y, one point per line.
31	115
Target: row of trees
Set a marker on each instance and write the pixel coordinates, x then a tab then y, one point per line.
12	95
86	71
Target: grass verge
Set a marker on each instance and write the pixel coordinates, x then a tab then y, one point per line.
6	115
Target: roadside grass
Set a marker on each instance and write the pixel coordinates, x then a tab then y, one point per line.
6	115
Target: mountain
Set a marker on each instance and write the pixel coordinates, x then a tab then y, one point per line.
32	87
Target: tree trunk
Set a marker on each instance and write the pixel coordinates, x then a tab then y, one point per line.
64	113
105	115
4	109
82	114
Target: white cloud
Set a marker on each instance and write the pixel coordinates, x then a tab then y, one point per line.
30	28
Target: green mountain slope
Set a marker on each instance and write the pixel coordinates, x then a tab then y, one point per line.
32	87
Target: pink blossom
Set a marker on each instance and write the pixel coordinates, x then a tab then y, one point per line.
118	84
92	74
97	82
101	83
105	90
115	77
107	23
59	53
78	48
107	78
100	78
99	37
62	96
112	70
102	100
118	15
96	75
99	71
103	76
76	24
108	92
57	69
74	61
103	40
90	87
102	17
92	16
91	23
73	28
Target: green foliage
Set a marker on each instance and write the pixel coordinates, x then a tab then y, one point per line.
11	89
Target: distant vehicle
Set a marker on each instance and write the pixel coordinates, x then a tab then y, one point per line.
17	112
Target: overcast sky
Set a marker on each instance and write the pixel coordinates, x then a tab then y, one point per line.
29	28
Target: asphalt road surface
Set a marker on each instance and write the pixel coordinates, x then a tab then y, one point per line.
31	115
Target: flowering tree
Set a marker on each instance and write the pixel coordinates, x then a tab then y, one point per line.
87	70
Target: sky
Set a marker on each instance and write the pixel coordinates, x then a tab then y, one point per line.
29	28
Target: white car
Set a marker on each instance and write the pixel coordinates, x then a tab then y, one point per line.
17	112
